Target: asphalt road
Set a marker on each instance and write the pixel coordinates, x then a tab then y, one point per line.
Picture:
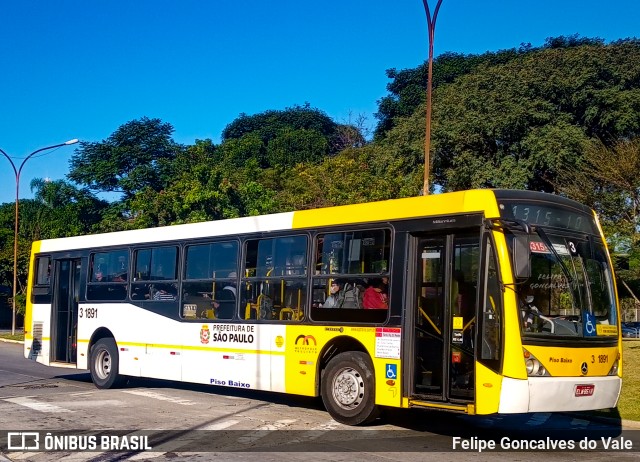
197	422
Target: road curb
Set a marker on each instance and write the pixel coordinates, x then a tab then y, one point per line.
6	340
630	424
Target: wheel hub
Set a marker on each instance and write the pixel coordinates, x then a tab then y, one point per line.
348	388
103	364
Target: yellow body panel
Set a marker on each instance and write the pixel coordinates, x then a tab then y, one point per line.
567	362
488	386
512	363
412	207
28	316
615	291
305	346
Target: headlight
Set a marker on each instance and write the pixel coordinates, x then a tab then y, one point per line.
614	368
534	367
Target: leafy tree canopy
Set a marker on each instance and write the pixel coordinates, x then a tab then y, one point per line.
607	180
134	157
285	138
407	88
267	125
514	125
68	210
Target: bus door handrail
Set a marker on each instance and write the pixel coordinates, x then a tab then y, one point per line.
426	316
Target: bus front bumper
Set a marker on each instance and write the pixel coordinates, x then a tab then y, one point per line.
553	394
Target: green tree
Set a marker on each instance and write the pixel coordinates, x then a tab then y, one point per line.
37	221
408	87
269	124
59	209
236	152
136	156
607	180
285	138
294	146
66	210
354	175
514	125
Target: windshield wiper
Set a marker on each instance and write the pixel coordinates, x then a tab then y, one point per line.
510	224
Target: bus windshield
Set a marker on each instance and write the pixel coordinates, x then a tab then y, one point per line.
570	289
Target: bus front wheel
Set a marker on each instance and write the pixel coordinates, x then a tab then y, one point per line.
104	364
348	390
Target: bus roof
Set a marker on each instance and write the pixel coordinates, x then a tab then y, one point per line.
479	200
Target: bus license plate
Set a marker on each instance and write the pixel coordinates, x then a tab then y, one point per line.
585	390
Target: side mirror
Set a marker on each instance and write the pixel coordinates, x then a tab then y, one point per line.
521	256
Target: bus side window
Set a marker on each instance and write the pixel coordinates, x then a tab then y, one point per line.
351	267
108	275
42	280
209	280
274	285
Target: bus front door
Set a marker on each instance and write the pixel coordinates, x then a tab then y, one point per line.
444	322
64	319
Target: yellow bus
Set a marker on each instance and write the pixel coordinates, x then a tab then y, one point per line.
481	302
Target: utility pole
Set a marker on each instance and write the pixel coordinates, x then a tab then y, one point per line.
431	25
18	171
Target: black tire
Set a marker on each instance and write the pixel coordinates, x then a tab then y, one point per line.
348	389
103	364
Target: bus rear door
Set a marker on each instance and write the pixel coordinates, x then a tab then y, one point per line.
64	316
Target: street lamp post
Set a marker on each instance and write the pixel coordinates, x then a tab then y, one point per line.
431	25
17	172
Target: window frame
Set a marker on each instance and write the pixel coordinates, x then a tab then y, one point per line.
250	305
212	280
490	256
149	284
113	285
39	288
357	315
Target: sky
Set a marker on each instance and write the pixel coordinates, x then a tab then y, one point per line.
80	69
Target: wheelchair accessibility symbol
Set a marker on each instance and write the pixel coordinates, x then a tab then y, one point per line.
392	371
589	325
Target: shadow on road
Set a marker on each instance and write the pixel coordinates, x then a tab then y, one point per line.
566	426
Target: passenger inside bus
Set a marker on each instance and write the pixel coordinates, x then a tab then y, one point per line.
333	300
225	303
532	319
342	295
375	296
120	277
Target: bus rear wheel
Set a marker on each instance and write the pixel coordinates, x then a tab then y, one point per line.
103	364
348	390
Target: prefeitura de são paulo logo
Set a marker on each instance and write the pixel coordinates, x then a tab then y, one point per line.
205	334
